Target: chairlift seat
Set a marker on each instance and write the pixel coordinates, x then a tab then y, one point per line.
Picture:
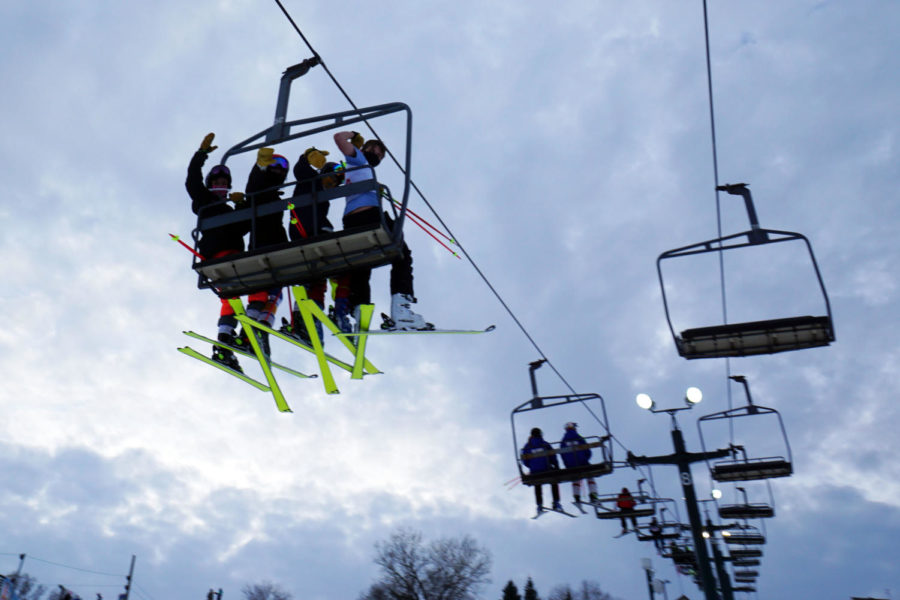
569	474
746	562
751	469
636	512
746	511
744	588
745	552
746	573
300	261
746	539
755	337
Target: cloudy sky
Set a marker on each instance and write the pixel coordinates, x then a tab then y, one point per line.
566	147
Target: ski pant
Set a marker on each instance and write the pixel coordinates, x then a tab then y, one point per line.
539	493
358	281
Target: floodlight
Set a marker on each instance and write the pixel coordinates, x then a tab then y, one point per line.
716	493
693	395
644	401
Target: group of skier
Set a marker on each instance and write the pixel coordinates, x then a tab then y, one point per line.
313	173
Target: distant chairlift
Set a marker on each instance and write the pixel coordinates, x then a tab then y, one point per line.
645	505
745	562
755	337
747	510
745	468
746	535
315	258
599	444
669	522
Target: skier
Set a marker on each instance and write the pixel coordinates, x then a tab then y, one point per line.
312	221
626	503
365	209
210	196
265	177
577	458
539	464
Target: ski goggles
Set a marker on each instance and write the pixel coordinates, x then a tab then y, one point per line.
280	162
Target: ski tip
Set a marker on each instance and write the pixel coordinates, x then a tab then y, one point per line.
490	328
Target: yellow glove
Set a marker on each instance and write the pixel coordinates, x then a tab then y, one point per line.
316	157
357	140
237	198
264	157
206	144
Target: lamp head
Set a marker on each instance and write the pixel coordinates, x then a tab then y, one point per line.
693	395
644	401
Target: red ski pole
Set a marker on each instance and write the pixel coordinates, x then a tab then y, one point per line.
194	252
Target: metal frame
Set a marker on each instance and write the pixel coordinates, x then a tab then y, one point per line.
756	337
747	469
306	260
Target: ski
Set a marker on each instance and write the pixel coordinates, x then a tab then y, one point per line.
245	353
194	354
415	331
579	507
626	532
544	511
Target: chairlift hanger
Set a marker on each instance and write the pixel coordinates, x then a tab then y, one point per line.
599	443
754	337
645	505
302	261
746	468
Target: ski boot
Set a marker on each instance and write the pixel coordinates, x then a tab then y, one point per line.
339	313
298	330
402	316
262	337
225	356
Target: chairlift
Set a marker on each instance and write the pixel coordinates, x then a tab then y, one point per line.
746	573
669	522
749	589
598	442
754	337
747	510
306	260
645	505
745	562
742	553
745	535
746	468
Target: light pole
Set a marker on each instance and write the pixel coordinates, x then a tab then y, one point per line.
660	585
683	460
648	569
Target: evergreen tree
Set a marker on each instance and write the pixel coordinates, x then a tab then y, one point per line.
530	592
511	592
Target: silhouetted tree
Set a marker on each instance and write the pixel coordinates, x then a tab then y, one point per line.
264	591
530	592
511	592
445	569
588	590
26	586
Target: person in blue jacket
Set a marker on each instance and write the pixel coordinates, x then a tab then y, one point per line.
539	464
577	457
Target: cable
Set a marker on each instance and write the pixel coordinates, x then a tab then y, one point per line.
50	562
441	221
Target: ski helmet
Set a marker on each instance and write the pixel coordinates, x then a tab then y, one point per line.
218	171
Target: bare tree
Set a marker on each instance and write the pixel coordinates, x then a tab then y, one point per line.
26	586
589	590
445	569
264	591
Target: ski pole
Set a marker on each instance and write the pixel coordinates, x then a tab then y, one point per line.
295	221
194	252
414	214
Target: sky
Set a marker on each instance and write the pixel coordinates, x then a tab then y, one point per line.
565	147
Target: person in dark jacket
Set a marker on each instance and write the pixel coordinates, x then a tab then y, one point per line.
313	174
576	453
209	197
539	464
262	188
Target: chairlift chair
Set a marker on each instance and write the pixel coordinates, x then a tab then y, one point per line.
746	535
742	553
310	259
746	468
753	337
747	510
598	443
745	562
671	528
645	505
746	573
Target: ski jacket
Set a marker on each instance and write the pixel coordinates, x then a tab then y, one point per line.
536	464
354	175
304	173
269	228
625	500
575	458
219	239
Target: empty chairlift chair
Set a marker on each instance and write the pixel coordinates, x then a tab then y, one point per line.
744	467
315	258
753	337
746	509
